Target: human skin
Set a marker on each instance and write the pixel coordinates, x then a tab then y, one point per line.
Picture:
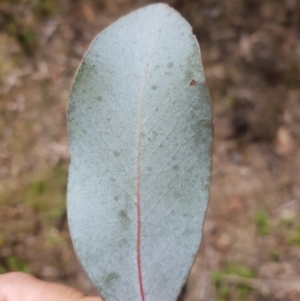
18	286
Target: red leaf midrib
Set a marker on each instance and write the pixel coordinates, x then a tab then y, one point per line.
138	192
139	221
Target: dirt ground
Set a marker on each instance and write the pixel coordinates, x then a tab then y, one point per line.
251	55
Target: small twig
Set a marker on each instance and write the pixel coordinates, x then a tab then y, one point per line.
264	286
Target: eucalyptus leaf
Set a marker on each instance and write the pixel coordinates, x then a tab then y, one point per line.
140	138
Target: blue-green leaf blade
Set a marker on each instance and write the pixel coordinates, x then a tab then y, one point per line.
140	137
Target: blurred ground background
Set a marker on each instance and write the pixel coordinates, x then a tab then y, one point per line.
251	54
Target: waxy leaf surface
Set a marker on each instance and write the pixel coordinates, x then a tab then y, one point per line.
140	135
